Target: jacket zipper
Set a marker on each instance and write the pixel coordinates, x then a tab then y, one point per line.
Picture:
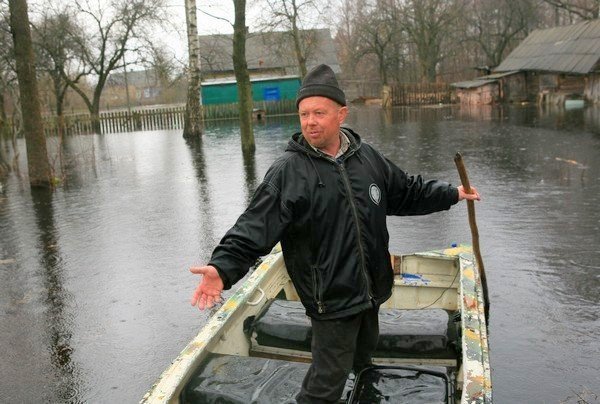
356	221
317	288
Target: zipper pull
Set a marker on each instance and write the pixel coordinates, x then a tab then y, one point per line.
321	309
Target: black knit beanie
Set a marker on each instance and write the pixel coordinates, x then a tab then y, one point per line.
321	81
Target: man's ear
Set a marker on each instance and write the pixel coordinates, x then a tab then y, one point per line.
342	114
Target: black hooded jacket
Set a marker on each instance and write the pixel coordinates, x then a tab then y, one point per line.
330	216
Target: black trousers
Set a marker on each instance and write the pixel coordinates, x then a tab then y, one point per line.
338	346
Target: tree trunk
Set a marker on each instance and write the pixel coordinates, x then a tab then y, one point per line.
382	69
192	124
4	163
300	55
60	90
240	66
95	110
40	172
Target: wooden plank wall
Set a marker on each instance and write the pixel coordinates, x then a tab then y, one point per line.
421	94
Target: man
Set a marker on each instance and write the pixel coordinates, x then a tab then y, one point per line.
326	199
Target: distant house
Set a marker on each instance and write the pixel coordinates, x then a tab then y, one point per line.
267	53
551	66
144	85
271	88
272	64
486	90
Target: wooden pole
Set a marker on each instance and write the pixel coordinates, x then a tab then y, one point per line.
464	178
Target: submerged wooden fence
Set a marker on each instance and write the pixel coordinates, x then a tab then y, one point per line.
168	117
421	94
118	121
172	117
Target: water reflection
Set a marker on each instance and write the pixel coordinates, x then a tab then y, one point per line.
58	319
196	148
546	116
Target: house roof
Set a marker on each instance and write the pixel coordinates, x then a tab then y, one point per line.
254	79
569	49
137	78
483	80
472	83
268	51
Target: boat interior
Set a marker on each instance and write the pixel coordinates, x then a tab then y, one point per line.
260	350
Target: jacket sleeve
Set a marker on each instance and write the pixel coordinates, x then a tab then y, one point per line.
254	234
412	195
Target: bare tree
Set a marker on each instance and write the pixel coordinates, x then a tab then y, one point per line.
346	38
57	55
7	68
240	67
290	15
40	172
428	24
376	32
5	82
584	9
8	91
497	25
168	72
111	31
192	126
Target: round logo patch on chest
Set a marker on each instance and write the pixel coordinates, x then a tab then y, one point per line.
375	193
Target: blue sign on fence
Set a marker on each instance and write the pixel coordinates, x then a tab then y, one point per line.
271	94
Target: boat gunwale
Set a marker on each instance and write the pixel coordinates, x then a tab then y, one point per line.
477	381
170	383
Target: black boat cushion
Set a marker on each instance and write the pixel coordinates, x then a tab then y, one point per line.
397	385
415	332
227	379
428	333
283	324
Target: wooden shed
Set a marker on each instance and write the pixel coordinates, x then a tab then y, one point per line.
559	64
493	88
477	92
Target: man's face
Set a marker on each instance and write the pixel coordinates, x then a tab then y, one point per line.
320	120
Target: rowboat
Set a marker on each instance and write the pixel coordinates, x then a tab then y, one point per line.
433	340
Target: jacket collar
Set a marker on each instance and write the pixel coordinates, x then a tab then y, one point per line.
299	144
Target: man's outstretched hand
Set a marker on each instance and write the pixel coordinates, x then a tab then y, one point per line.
208	292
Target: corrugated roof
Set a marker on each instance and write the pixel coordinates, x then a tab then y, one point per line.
138	78
472	83
497	75
482	80
232	79
268	50
570	49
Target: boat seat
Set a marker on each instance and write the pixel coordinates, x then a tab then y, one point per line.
399	384
428	333
231	379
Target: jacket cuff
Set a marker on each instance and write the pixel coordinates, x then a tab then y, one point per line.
454	190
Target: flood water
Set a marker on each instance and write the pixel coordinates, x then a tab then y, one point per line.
94	281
